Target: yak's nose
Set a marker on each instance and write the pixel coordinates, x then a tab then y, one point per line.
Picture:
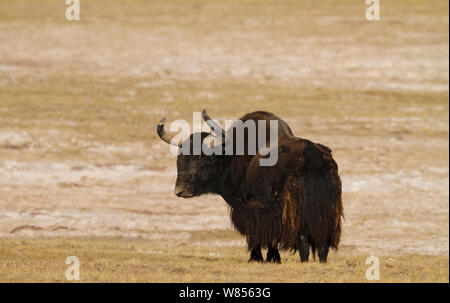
179	193
182	192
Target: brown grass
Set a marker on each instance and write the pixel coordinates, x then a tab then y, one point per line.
126	260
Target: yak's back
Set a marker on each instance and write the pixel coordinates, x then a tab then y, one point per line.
239	163
283	129
297	157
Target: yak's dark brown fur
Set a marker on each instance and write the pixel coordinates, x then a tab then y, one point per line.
295	204
301	197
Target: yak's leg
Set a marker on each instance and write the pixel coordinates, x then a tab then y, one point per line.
273	255
303	248
323	253
256	255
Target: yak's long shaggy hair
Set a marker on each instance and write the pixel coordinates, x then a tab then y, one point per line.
305	202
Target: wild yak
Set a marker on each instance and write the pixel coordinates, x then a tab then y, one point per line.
295	204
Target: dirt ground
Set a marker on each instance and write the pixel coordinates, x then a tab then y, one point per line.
80	161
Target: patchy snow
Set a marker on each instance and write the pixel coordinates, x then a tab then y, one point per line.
19	173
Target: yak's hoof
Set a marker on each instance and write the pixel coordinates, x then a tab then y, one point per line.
273	256
256	259
273	260
256	256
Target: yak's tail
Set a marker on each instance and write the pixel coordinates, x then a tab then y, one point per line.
321	204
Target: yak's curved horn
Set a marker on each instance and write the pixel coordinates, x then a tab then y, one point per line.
163	135
215	126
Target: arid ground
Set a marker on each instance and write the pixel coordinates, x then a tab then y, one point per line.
83	173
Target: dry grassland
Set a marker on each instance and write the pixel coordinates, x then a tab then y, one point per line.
83	173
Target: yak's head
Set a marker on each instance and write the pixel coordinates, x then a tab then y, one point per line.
196	173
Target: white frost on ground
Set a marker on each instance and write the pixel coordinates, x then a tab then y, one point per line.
389	183
376	206
18	173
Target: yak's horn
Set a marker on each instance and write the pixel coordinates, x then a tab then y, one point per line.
213	125
163	135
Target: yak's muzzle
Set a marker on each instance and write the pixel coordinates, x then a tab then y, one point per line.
182	192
